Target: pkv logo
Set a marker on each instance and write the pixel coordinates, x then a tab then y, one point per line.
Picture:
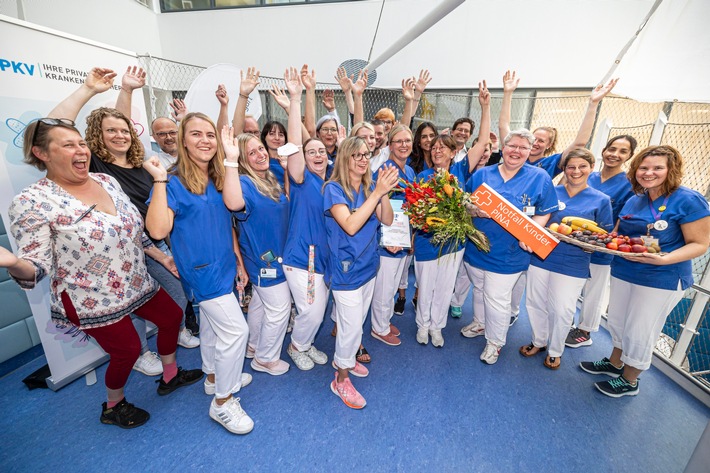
17	67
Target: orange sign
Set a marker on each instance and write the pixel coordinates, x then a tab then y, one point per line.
514	221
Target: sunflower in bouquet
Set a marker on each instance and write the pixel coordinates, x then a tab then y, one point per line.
438	206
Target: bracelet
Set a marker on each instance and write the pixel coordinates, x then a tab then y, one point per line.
244	96
230	164
165	181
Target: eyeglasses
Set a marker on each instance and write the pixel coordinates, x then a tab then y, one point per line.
387	122
50	122
316	152
439	148
329	130
361	156
463	130
518	148
165	134
401	142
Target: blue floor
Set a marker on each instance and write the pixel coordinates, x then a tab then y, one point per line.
428	409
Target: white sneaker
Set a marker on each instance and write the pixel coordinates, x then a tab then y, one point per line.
231	416
422	336
317	356
436	338
187	340
490	353
473	330
209	387
149	364
300	358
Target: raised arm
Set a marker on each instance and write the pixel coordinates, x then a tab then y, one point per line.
223	99
359	87
246	87
351	223
346	85
476	151
159	219
98	81
179	110
232	192
510	83
296	161
133	78
415	89
309	113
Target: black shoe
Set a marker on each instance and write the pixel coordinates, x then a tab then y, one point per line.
414	303
191	320
124	415
618	387
513	319
183	378
399	305
603	366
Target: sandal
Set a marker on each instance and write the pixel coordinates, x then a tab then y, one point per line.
552	362
531	350
362	355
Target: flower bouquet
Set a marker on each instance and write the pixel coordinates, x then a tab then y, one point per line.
438	206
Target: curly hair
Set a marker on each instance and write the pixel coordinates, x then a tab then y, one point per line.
674	164
95	137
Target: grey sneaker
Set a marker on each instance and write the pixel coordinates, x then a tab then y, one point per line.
301	359
602	366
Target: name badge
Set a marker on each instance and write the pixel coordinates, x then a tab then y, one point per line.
529	210
268	273
660	225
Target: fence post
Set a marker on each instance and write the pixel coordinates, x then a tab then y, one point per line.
692	320
600	138
658	127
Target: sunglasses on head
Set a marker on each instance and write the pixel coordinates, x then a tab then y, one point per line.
50	122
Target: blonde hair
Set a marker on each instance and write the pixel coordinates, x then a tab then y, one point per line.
341	169
361	125
189	173
269	185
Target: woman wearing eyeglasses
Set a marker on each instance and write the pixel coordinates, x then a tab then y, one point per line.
82	231
393	260
494	274
354	209
555	283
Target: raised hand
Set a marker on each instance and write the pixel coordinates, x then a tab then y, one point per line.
345	82
510	82
387	179
329	100
229	143
601	91
100	79
342	134
484	96
360	84
249	82
155	168
280	97
408	88
179	109
133	78
423	81
222	95
293	82
309	80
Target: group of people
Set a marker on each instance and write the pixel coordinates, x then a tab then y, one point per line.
297	211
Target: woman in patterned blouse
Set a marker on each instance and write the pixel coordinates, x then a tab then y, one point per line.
82	231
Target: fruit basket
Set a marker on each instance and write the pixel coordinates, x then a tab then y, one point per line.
589	247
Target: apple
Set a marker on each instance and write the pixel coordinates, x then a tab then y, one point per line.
636	241
639	249
612	245
553	227
625	248
564	229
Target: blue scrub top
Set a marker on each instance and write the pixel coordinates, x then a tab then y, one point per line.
529	184
406	174
263	226
618	188
683	206
306	224
202	241
568	259
352	260
278	170
551	164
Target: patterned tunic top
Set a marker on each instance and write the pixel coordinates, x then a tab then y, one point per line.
97	258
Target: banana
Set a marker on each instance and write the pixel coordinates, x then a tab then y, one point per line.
580	220
583	224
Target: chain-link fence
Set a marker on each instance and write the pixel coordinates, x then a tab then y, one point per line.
685	126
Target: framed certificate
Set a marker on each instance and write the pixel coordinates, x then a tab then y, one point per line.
399	233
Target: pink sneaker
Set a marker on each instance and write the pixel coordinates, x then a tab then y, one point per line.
360	371
274	368
251	351
388	339
394	330
347	392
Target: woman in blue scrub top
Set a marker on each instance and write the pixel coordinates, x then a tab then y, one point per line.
645	288
354	210
555	283
494	274
437	268
393	260
188	206
612	181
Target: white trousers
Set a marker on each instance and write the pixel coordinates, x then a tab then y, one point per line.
404	280
386	284
551	303
518	291
269	310
310	316
636	318
350	311
223	342
596	297
436	280
462	287
491	301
